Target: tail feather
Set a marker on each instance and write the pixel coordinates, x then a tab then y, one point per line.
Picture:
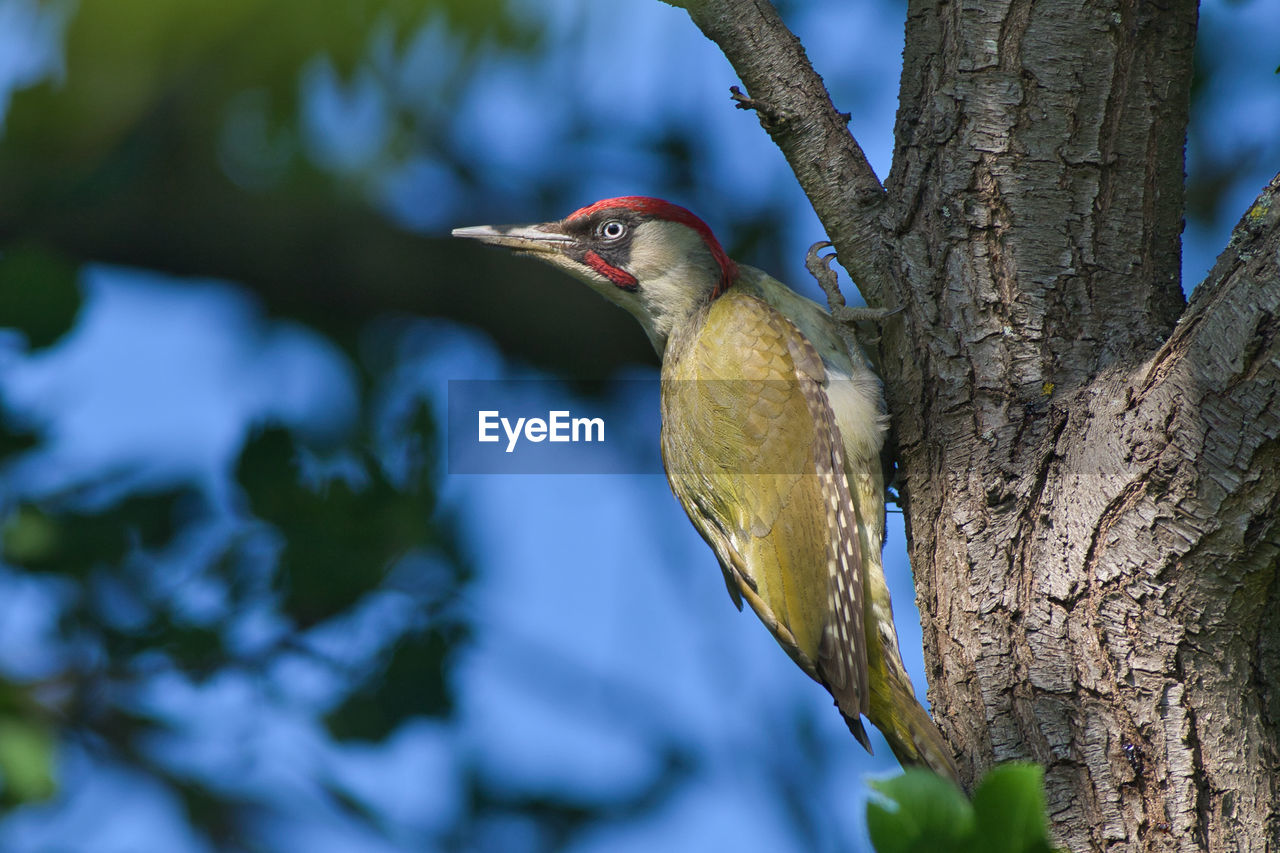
858	730
912	735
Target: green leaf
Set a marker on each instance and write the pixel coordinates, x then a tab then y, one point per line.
126	59
73	541
921	812
15	440
39	293
341	537
28	536
413	684
26	761
924	812
1009	805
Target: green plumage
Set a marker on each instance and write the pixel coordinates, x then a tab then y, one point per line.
753	453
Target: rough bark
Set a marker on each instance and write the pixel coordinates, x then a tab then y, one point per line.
1091	468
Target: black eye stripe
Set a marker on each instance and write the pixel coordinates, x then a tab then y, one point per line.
616	251
589	228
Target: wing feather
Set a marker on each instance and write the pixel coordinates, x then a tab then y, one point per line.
754	454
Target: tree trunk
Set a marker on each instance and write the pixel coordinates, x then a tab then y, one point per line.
1090	468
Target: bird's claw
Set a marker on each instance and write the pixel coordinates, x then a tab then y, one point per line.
819	267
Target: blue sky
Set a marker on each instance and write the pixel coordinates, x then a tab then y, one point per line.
599	612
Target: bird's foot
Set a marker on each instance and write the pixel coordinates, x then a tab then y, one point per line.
845	314
819	266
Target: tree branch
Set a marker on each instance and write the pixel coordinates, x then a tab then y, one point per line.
1242	291
1178	576
794	107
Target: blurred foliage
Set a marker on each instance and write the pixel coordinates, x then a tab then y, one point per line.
340	540
411	682
177	140
27	748
143	152
14	441
126	57
172	136
26	761
74	542
922	813
39	295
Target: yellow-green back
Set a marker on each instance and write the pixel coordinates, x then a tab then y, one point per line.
753	454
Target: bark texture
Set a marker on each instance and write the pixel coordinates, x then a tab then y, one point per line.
1091	467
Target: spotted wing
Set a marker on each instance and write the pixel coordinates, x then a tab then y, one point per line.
753	452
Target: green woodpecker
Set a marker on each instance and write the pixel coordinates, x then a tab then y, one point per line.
771	437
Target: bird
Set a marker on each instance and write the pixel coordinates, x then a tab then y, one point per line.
773	425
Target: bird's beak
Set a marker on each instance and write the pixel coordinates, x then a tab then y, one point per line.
542	239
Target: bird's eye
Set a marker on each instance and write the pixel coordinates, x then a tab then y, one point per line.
613	229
